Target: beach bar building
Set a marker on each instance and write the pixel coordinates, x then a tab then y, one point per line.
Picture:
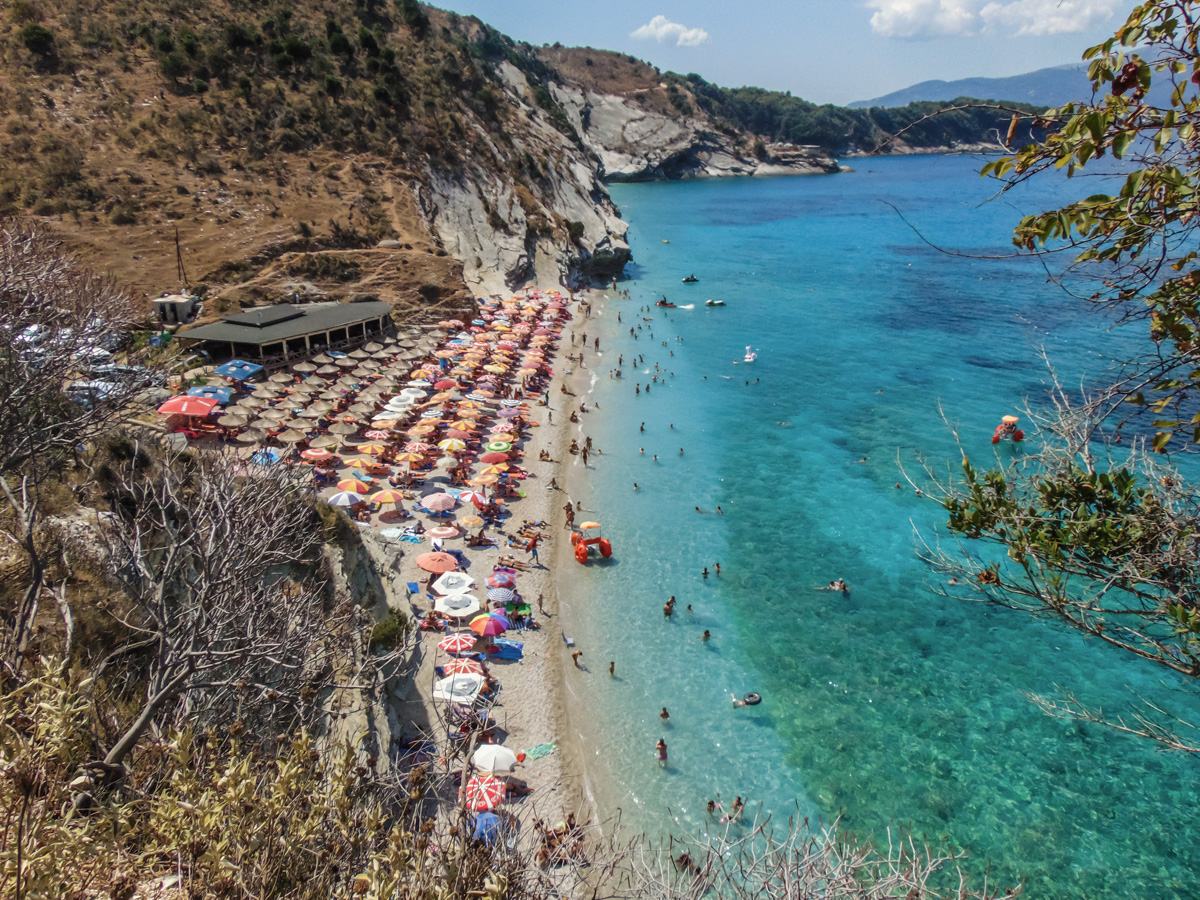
269	334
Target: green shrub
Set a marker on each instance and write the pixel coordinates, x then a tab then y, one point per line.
174	65
575	231
387	634
37	39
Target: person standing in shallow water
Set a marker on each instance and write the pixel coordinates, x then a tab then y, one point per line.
661	747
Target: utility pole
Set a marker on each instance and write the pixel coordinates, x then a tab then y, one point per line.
180	271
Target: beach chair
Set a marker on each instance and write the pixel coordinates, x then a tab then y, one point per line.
569	641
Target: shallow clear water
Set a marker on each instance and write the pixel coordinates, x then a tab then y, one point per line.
892	705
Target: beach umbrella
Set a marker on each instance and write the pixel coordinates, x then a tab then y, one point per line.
384	424
304	367
371	449
372	347
358	354
452	444
343	428
477	499
234	420
291	436
275	414
359	463
328	369
324	441
343	498
446	462
463	666
495	470
376	435
388	495
496	446
409	458
252	436
354	486
281	378
461	689
445	384
483	480
318	454
345	362
494	759
188	406
458	435
501	595
418	447
459	642
436	562
509	413
501	580
525	373
444	532
440	502
457	605
489	626
252	402
492	458
470	521
322	359
504	429
453	583
483	792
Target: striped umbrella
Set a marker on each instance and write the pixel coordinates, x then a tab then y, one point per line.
318	454
501	580
371	449
498	446
387	496
354	486
462	667
501	595
438	502
343	498
459	642
489	625
452	444
477	499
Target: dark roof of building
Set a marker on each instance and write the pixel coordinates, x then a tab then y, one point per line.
268	324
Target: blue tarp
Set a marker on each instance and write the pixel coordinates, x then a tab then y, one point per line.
487	827
219	394
238	369
266	457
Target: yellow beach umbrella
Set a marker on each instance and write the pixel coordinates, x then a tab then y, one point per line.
371	449
483	480
497	469
354	486
410	457
387	496
452	444
495	369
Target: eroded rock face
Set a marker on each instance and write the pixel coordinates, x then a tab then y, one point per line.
554	221
634	143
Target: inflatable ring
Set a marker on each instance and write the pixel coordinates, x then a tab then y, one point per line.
752	699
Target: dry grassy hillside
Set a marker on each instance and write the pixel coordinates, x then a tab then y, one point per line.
252	129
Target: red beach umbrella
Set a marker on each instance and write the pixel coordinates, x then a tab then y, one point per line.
483	792
459	642
501	580
494	457
463	667
188	406
477	499
436	562
445	385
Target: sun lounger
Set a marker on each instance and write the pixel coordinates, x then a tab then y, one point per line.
508	650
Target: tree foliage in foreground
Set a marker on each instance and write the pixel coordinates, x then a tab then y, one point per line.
1091	529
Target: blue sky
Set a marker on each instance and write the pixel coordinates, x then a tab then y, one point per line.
828	51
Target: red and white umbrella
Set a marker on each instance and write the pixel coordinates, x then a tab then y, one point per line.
474	497
459	642
501	580
483	792
463	667
188	406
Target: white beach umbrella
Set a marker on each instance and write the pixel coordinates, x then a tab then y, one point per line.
457	605
454	583
494	759
462	688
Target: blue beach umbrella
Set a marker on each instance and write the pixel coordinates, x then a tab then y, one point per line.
238	369
220	394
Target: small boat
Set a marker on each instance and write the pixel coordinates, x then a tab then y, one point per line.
714	302
691	279
1008	429
665	303
588	537
750	356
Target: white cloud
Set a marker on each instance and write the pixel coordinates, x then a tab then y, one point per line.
661	29
942	18
1037	17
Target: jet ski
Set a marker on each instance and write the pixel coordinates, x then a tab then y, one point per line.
691	279
714	302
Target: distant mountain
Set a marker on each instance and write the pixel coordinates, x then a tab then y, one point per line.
1045	87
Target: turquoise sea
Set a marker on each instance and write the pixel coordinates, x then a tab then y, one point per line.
892	706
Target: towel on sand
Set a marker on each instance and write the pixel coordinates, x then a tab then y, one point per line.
539	751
